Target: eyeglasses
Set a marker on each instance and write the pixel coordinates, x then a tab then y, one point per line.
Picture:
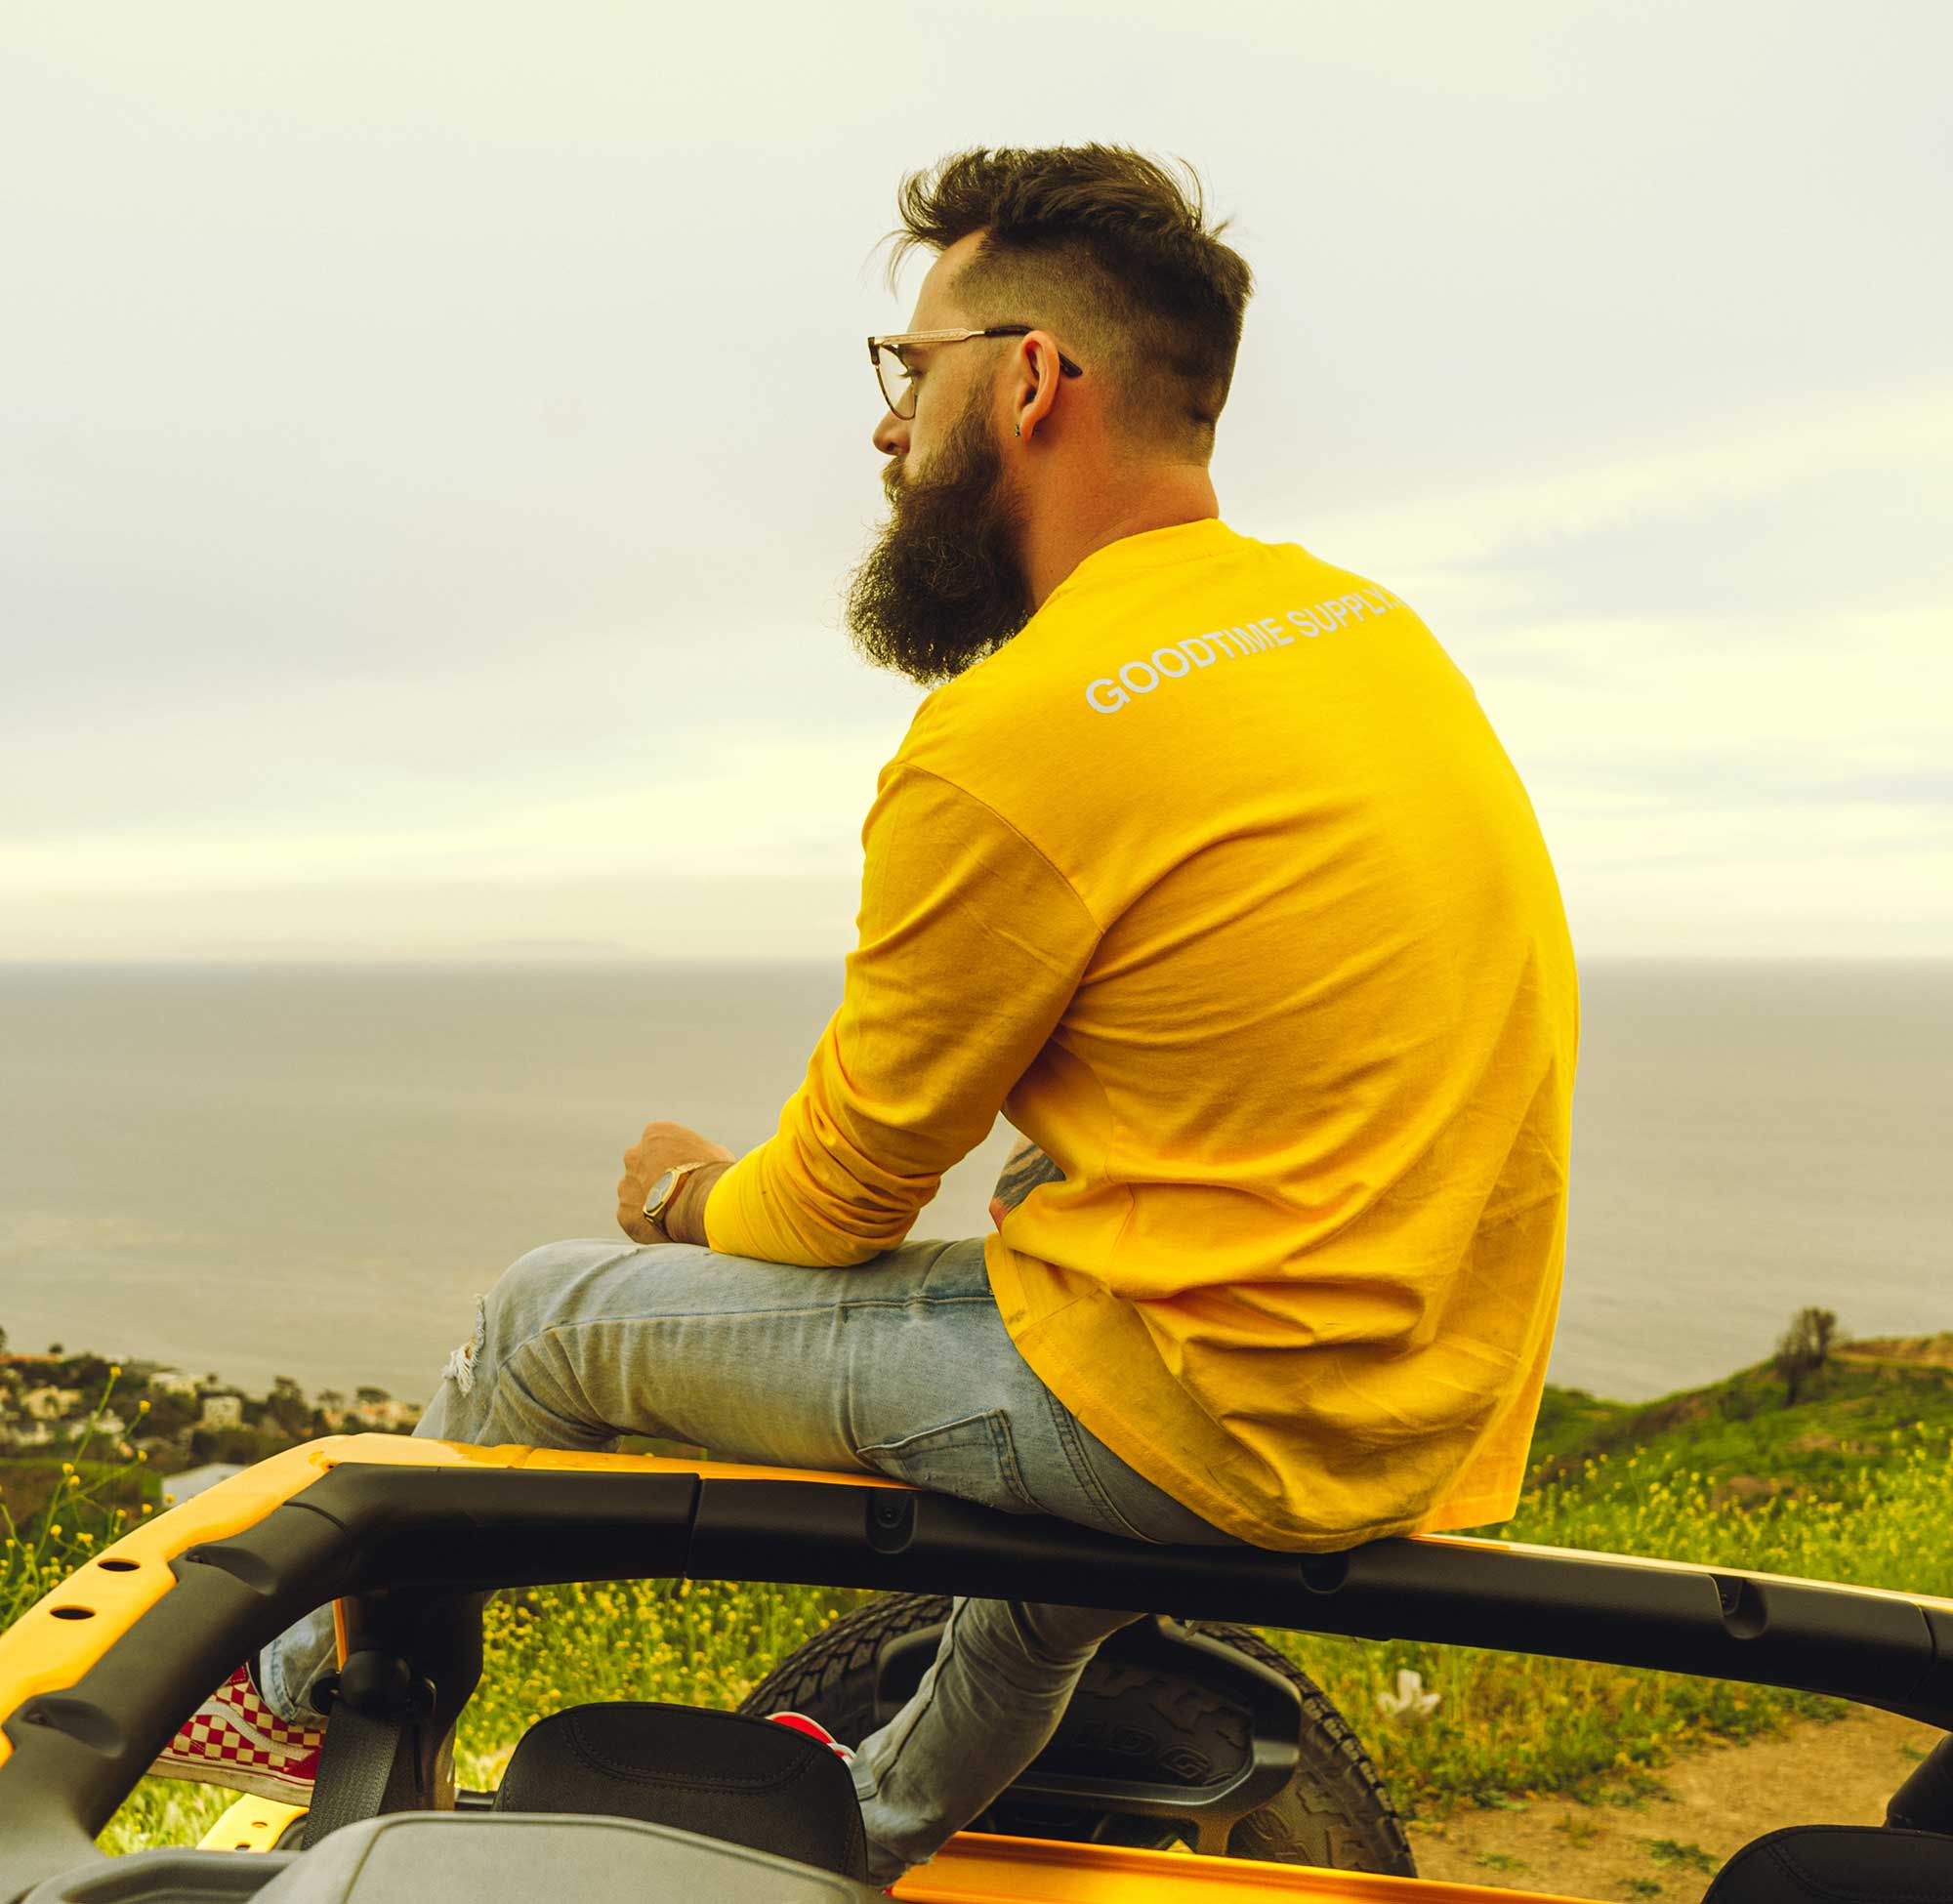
897	380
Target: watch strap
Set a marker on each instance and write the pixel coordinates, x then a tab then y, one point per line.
677	1173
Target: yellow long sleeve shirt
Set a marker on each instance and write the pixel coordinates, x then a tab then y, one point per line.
1217	883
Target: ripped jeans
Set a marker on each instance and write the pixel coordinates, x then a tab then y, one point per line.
899	1366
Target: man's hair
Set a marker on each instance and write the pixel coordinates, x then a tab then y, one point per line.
1102	247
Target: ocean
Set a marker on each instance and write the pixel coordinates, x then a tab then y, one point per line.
305	1171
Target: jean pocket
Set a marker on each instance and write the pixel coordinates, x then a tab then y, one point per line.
1132	1504
973	1458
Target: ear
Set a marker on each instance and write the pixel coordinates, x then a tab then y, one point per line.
1034	381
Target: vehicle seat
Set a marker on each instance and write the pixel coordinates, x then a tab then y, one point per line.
1838	1864
723	1775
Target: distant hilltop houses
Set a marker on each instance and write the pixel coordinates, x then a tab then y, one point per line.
86	1406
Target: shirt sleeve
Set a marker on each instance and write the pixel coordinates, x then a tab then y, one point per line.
972	944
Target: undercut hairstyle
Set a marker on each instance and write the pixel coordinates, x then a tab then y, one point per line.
1106	250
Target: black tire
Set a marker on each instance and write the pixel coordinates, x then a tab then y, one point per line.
1334	1813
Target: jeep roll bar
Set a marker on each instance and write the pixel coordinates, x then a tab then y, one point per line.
405	1532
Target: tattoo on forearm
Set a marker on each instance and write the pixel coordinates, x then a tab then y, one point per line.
1023	1175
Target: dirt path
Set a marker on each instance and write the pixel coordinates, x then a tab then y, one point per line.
1717	1799
1899	1352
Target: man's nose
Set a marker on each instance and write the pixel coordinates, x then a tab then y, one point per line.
891	435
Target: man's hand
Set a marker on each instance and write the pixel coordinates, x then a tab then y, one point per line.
662	1146
1025	1169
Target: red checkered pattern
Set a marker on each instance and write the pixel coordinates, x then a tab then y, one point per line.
234	1739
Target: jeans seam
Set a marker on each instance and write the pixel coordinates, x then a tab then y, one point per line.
948	1645
1074	1453
567	1324
1003	1444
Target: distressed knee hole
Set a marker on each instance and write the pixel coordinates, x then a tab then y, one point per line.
460	1369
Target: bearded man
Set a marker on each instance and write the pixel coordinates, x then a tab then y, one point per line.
1201	864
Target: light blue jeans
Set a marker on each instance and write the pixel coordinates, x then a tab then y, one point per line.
901	1366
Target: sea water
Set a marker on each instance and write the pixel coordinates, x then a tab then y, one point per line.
308	1171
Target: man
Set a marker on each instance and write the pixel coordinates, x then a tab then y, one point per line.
1203	864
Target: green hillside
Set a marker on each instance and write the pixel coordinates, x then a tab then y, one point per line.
1845	1482
1743	1439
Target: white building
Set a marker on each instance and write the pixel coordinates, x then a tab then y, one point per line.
223	1408
49	1404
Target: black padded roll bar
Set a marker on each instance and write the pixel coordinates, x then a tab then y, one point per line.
447	1531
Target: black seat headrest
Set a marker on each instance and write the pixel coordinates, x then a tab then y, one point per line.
1838	1864
723	1775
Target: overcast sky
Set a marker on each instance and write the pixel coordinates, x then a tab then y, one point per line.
435	435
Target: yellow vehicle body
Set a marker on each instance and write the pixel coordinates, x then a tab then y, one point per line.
1907	1643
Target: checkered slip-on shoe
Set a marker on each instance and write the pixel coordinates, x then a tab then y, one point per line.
812	1728
234	1739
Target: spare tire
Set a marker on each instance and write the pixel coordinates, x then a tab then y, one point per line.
1132	1725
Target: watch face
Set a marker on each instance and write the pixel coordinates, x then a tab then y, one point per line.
659	1191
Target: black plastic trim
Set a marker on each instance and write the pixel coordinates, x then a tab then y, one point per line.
361	1528
1861	1647
78	1754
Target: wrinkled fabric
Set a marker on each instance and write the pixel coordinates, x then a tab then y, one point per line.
1217	882
900	1368
1004	1673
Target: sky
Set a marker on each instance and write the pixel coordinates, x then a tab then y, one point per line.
437	437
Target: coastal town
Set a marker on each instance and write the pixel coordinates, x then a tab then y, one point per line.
60	1405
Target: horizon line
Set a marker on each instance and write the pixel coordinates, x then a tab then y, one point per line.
562	961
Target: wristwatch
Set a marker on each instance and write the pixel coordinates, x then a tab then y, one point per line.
665	1191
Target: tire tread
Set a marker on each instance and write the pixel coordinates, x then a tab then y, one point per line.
1336	1778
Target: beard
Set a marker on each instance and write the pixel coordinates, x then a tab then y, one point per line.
943	586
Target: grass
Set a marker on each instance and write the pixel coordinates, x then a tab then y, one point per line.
1687	1857
1858	1471
1509	1725
1738	1430
1500	1861
163	1811
691	1642
56	1514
